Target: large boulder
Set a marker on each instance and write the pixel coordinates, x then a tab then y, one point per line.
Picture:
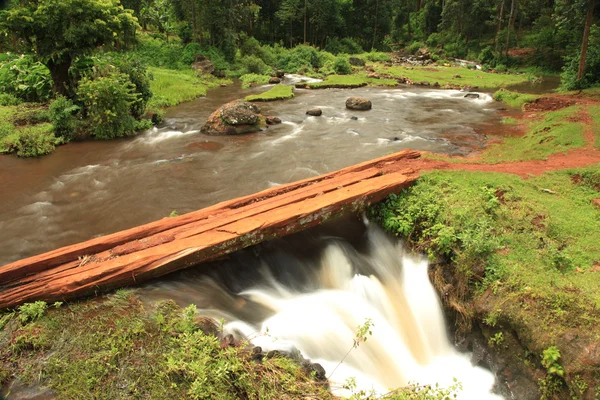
357	103
203	64
274	80
235	118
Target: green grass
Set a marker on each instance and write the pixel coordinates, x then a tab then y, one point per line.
277	92
25	130
514	99
525	253
556	132
595	114
249	80
118	348
172	87
446	76
339	81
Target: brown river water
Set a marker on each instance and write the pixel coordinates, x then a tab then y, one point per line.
93	188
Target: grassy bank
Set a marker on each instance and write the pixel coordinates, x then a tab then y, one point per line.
277	92
119	348
524	254
452	76
172	87
25	129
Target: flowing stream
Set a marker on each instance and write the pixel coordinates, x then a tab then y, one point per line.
311	291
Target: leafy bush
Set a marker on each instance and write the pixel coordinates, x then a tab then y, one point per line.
414	47
26	79
376	56
7	99
189	53
254	65
107	102
300	59
346	46
456	49
34	143
158	53
487	56
341	66
63	114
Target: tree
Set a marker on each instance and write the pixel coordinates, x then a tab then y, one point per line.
59	31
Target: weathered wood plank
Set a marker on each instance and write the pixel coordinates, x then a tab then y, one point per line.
132	256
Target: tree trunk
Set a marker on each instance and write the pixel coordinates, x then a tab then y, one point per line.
375	28
499	28
586	37
510	22
305	21
59	71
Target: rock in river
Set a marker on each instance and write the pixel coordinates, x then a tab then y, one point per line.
357	103
315	112
235	118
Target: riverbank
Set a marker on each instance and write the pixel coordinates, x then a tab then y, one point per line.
516	260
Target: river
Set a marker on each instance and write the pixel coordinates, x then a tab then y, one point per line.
311	291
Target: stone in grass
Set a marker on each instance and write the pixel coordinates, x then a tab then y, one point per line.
315	112
357	103
235	118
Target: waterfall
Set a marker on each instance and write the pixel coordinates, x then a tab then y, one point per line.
312	295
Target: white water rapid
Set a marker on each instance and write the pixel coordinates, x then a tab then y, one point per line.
316	303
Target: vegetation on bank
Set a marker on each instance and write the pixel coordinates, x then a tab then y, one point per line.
523	253
120	348
277	92
339	81
454	76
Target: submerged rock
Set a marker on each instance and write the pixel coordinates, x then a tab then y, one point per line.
471	96
357	103
315	112
235	118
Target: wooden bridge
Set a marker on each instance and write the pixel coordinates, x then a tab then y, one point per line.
135	255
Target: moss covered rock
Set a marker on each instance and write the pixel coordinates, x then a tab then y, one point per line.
235	118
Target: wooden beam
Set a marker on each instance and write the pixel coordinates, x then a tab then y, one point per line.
132	256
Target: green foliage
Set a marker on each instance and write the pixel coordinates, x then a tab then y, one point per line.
376	56
254	65
64	117
550	361
30	312
7	99
190	51
254	79
343	46
277	92
591	78
339	81
300	59
34	142
107	102
496	340
341	66
25	79
514	99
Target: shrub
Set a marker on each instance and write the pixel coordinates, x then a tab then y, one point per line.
487	56
33	143
300	59
591	77
26	79
346	46
414	47
376	56
107	102
7	99
63	114
250	79
341	66
254	65
189	53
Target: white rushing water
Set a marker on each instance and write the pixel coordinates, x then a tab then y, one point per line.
408	344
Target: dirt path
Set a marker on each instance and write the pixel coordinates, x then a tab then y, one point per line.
575	158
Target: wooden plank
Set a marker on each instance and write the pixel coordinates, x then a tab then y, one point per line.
36	264
169	246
